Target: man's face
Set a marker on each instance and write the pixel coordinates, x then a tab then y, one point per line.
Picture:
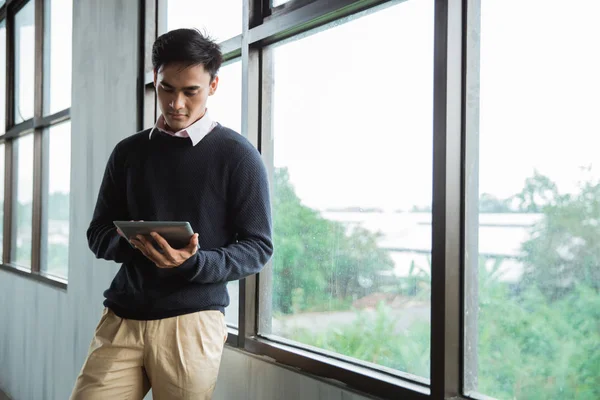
182	93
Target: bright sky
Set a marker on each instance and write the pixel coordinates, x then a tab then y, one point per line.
353	104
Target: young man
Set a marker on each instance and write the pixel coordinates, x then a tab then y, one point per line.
163	325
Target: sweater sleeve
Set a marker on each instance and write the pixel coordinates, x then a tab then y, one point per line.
103	239
250	210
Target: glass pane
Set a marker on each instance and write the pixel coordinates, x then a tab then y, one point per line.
22	207
56	225
24	63
226	104
533	308
58	26
221	19
2	150
233	310
275	3
2	76
351	188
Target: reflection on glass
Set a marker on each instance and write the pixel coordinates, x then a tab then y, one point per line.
57	55
1	200
532	315
22	204
2	76
24	63
226	104
352	188
56	222
221	19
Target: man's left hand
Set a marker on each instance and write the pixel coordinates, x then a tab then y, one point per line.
168	257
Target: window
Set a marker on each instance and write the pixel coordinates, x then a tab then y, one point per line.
532	308
23	206
226	104
55	232
36	137
434	191
24	62
2	76
221	19
351	189
1	199
57	55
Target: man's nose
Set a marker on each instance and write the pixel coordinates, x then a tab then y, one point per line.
178	102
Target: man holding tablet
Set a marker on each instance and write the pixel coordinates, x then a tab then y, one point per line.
163	324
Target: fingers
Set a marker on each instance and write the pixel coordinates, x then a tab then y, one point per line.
158	258
144	246
193	245
162	242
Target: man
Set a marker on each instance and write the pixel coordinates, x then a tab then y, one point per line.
163	325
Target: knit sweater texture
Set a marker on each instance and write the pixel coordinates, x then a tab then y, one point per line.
219	186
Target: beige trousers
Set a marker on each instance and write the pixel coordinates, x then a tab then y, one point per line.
178	357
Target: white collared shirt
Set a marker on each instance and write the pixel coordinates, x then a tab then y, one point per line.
195	132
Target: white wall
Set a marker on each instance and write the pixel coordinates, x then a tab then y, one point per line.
44	331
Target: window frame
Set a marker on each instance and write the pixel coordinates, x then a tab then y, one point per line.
39	126
264	26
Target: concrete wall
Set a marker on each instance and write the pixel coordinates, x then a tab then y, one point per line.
45	332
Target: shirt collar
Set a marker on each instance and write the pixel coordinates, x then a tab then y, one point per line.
195	132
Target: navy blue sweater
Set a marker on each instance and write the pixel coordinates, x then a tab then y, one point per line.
219	186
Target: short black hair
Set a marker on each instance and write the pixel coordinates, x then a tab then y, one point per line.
188	47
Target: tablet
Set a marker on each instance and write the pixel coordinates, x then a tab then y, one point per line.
177	234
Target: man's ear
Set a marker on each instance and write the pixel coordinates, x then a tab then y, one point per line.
213	86
155	78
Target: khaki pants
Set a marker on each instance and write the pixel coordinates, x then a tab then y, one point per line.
178	357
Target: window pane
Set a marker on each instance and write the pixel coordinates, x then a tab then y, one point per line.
24	63
22	207
57	55
275	3
2	76
226	104
351	188
221	19
56	219
233	310
533	311
2	150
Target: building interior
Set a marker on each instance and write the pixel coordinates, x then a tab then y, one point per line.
434	182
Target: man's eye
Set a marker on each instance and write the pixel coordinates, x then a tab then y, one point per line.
166	89
190	94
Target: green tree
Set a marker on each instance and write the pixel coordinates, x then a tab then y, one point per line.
563	252
538	339
538	192
318	262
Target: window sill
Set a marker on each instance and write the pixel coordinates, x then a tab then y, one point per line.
41	277
346	375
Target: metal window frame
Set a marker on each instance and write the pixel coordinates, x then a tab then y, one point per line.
264	26
38	127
